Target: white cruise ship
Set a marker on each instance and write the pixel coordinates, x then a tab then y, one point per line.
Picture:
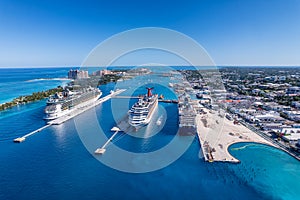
142	111
64	102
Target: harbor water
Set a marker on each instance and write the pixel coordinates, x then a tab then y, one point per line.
54	163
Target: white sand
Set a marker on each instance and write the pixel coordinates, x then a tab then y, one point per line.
217	135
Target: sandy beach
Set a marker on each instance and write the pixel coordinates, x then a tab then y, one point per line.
217	133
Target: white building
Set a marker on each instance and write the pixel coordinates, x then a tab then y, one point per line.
290	134
78	74
276	127
266	118
293	115
293	90
296	104
282	78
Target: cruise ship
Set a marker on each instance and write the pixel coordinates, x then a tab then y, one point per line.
63	103
142	111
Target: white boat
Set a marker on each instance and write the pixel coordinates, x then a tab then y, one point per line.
159	121
142	111
63	103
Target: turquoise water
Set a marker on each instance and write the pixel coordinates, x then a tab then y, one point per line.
54	164
25	81
268	169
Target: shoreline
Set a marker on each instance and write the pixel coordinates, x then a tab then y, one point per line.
260	143
217	134
236	160
240	134
35	96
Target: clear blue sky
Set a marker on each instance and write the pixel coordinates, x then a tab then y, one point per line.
234	32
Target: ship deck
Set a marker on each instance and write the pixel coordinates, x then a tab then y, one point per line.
77	111
82	108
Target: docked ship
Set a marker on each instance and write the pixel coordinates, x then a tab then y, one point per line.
142	111
64	102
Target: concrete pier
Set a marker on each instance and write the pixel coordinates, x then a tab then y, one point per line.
102	149
76	111
168	101
126	97
23	138
137	97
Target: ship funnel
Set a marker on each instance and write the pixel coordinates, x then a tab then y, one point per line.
149	94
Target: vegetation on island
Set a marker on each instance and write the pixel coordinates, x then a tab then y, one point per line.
121	74
30	98
95	81
108	78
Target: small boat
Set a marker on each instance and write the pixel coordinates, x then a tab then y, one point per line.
159	121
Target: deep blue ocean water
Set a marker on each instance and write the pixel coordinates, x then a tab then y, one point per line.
54	163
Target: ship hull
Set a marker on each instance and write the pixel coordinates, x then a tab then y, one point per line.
55	115
145	121
141	121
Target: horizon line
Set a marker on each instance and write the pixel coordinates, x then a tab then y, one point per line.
71	66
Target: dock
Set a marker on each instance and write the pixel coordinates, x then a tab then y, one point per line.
19	139
126	97
168	101
74	113
102	149
137	97
23	138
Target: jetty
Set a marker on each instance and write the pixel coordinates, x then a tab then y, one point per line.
137	97
102	149
23	138
76	111
168	101
126	97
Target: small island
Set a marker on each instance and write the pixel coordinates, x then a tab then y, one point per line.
30	98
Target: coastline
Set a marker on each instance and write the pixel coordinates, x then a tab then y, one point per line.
220	133
60	148
35	96
241	134
258	143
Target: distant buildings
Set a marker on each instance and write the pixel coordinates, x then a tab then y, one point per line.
296	104
78	74
293	115
275	78
293	90
275	107
102	72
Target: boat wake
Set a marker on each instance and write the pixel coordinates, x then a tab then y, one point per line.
159	120
48	79
243	147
